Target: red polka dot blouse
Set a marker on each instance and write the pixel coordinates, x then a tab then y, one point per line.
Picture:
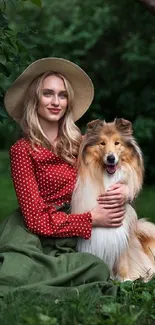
42	180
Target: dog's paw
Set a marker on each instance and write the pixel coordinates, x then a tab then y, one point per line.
127	279
123	279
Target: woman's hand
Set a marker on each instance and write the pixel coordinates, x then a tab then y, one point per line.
116	196
111	207
102	217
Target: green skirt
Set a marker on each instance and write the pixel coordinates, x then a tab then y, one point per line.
46	265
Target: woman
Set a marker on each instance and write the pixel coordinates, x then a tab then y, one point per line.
38	241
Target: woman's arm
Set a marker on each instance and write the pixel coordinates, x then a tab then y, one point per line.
39	217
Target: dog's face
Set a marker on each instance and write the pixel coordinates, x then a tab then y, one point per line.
108	143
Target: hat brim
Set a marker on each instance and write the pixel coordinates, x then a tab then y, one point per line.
79	80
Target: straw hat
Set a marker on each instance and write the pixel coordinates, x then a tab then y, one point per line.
79	80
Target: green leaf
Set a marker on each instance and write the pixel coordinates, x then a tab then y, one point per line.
37	2
27	45
4	70
3	113
1	119
3	20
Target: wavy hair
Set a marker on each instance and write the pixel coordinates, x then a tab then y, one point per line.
69	135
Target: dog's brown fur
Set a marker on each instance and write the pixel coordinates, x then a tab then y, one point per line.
134	256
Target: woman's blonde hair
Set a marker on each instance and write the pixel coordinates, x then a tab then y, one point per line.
69	135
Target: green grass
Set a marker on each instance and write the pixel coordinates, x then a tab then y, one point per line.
8	201
134	305
145	203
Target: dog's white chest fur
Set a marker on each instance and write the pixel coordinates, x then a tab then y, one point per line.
106	243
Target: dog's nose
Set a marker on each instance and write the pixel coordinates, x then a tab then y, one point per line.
111	159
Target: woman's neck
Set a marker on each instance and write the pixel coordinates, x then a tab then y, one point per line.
50	129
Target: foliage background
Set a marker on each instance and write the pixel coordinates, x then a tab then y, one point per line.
113	41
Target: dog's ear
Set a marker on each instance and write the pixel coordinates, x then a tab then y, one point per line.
93	124
124	125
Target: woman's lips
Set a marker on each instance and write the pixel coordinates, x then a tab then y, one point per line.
54	110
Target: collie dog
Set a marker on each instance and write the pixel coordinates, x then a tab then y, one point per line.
109	154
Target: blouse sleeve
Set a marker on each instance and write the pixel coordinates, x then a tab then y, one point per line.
39	217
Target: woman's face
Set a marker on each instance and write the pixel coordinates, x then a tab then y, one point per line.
53	99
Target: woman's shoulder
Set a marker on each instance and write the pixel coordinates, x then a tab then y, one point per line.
24	147
20	145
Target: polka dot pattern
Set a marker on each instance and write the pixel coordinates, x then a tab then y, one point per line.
42	180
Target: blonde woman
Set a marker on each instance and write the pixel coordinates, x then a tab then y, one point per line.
38	241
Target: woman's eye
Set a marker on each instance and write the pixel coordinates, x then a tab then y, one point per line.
47	94
102	143
63	95
116	143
